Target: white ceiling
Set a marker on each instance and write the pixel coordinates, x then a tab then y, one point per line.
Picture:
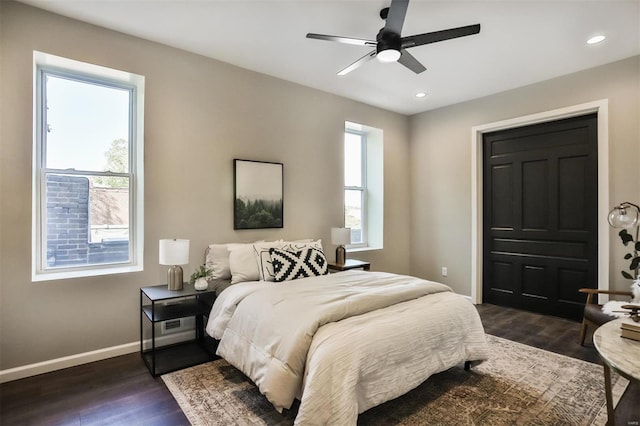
521	42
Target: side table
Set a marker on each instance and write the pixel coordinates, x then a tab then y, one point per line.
617	353
158	303
349	264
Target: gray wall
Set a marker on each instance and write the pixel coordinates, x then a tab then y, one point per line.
200	114
441	163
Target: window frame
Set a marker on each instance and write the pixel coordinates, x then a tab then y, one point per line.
364	213
51	65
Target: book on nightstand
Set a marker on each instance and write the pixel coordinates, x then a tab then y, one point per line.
630	329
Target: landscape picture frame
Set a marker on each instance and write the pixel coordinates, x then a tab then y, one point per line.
258	194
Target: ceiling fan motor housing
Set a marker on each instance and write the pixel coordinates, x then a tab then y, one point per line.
388	40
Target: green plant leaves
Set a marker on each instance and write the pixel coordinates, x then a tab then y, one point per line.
634	265
625	237
201	272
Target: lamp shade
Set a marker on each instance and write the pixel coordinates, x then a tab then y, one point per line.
625	215
341	236
174	252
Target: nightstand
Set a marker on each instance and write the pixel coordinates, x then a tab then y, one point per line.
349	264
157	304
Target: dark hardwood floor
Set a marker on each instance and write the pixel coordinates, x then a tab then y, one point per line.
557	335
116	391
121	391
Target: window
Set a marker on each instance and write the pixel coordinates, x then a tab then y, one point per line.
355	186
88	163
363	185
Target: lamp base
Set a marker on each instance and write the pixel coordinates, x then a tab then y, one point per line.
174	277
341	255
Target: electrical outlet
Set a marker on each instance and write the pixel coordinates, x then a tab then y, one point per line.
444	271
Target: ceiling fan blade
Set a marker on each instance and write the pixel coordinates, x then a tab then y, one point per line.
366	58
436	36
396	15
411	62
345	40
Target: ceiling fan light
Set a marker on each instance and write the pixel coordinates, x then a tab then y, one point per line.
388	55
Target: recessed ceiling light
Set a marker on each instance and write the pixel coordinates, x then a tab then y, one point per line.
421	95
596	39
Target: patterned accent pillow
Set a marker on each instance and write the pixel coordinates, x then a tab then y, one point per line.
301	245
263	257
288	265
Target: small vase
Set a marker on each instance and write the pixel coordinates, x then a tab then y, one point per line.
201	284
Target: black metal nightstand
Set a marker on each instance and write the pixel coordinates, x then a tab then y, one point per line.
349	264
166	305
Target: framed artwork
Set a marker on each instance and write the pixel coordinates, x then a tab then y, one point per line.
258	194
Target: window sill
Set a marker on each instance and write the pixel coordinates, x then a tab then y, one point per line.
66	274
362	249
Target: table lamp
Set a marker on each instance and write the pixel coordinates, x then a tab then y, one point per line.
175	253
627	216
341	237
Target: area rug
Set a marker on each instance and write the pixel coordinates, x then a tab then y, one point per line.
518	385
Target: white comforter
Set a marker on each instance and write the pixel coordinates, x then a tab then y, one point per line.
343	342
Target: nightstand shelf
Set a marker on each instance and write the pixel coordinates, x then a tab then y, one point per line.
157	304
175	357
188	308
349	264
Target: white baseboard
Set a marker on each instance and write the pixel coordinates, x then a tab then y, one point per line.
87	357
67	361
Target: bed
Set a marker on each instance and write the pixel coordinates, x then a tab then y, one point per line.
341	343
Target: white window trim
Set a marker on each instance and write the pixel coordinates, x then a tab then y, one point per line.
601	107
373	168
88	72
362	189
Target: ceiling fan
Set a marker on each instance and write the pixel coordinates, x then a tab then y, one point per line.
390	46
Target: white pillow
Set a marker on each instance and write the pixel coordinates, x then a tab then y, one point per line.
242	264
217	258
243	261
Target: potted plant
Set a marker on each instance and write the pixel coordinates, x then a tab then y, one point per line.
200	276
633	258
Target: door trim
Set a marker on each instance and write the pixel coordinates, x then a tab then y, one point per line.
601	107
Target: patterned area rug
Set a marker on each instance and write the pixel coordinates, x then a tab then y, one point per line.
519	385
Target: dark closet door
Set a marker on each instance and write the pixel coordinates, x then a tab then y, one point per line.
540	216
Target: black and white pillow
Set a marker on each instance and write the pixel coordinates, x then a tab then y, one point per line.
288	265
263	258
